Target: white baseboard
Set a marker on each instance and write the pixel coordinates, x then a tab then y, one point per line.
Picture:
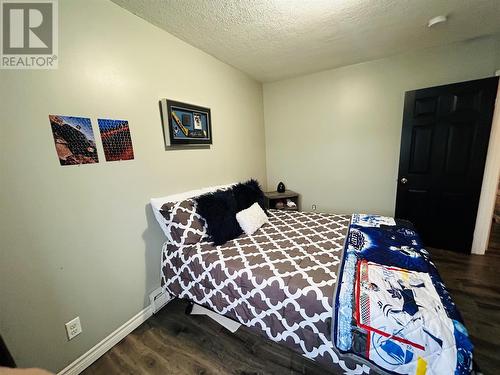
111	340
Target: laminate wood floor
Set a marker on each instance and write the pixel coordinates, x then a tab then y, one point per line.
172	342
473	281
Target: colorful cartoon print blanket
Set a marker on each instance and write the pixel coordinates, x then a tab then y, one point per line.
392	308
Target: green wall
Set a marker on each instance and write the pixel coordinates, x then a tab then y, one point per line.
334	136
81	240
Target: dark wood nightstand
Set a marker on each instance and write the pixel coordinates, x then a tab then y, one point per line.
273	197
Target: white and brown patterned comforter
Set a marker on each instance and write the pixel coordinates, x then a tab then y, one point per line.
279	281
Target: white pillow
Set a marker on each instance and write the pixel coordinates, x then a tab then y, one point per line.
252	218
157	203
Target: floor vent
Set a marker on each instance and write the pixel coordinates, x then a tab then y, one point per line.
158	299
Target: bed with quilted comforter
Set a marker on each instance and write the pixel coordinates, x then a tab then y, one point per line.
356	294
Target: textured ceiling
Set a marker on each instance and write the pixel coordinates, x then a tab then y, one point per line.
275	39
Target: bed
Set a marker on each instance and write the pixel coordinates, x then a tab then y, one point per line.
306	280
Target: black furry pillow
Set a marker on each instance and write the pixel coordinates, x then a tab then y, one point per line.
247	193
219	211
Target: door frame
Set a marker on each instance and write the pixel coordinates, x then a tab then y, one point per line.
489	187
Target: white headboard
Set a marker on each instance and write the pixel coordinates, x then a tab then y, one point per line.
156	203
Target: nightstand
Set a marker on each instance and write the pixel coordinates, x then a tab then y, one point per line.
273	197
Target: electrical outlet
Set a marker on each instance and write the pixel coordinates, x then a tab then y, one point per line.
73	328
313	207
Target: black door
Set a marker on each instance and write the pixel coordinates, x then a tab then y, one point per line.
444	143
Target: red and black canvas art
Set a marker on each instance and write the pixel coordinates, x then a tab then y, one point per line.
116	139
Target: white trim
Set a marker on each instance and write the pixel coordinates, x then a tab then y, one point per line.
111	340
489	187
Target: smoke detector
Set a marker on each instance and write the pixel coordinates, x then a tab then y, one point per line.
437	20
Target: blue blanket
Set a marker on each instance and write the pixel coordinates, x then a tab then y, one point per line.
392	308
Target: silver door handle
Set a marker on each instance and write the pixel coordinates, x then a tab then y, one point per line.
404	180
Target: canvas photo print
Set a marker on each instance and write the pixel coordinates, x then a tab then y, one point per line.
74	140
116	139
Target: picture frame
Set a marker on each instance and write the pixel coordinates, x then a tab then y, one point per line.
185	124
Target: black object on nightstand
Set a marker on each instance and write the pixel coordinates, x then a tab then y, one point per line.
275	200
281	188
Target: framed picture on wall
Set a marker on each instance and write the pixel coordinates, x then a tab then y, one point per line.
185	124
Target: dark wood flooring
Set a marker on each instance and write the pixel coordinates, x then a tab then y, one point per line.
174	343
473	281
494	241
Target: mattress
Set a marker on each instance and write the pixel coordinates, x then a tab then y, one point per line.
280	281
